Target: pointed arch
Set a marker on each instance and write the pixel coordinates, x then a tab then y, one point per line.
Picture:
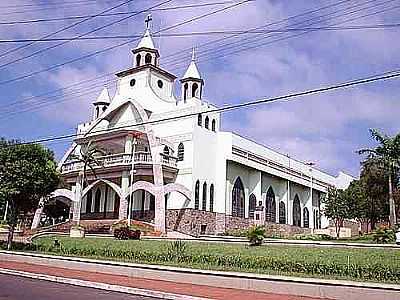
296	211
180	188
252	205
270	206
199	120
207	122
185	91
181	152
197	195
282	213
306	218
166	151
138	60
114	186
212	198
204	202
195	87
213	126
148	59
238	199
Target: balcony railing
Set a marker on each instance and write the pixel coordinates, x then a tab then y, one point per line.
120	160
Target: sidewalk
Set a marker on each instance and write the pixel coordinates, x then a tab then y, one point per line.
154	285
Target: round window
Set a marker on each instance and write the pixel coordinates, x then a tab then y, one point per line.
160	84
132	82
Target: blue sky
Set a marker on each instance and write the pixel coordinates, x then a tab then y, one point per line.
325	129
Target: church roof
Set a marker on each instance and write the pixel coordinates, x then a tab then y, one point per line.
104	97
192	71
146	41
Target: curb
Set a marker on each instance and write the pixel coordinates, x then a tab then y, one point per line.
101	286
220	274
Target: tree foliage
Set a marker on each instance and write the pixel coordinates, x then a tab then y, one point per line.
27	173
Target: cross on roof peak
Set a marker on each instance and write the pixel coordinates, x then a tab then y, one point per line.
148	21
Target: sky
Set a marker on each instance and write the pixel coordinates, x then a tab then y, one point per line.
326	129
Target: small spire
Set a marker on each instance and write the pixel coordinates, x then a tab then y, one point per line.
194	54
104	96
147	39
192	71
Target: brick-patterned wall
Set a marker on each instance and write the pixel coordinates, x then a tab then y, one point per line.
284	230
237	223
190	221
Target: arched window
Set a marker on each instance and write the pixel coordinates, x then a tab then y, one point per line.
97	112
199	120
181	152
213	125
89	202
238	199
195	87
138	60
197	195
252	205
282	213
296	211
204	202
104	108
97	199
166	151
212	198
306	217
270	206
147	59
185	91
207	122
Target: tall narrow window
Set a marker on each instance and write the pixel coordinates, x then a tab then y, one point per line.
306	217
212	197
207	122
197	195
138	60
181	152
204	202
282	213
270	213
89	202
252	205
199	120
296	211
97	199
185	91
195	87
213	125
238	199
147	59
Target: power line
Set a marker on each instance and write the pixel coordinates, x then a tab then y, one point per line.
118	45
90	80
215	32
86	33
115	14
288	97
51	4
56	32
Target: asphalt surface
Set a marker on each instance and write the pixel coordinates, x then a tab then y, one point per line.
19	288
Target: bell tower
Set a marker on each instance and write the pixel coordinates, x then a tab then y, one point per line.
101	104
146	53
192	83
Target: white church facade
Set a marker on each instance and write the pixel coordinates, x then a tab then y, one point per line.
163	159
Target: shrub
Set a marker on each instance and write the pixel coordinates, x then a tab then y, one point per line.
176	250
313	237
125	233
256	234
384	235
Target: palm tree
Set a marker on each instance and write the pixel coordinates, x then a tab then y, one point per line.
388	154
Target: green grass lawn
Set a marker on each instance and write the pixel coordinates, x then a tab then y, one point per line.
380	265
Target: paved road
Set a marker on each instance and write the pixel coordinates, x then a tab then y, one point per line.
19	288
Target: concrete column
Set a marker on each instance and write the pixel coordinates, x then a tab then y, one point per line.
123	204
38	214
128	144
289	205
76	214
310	210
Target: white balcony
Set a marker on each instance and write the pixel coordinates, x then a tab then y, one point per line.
141	158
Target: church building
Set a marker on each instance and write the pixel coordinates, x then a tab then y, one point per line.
162	158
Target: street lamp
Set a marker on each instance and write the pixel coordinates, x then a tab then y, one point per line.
311	164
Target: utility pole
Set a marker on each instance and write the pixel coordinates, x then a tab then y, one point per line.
5	212
132	174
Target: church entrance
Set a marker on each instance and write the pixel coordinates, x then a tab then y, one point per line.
143	206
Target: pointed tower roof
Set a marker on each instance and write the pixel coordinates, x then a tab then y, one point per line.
192	71
104	97
146	41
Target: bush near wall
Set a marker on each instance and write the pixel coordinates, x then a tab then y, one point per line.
228	259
